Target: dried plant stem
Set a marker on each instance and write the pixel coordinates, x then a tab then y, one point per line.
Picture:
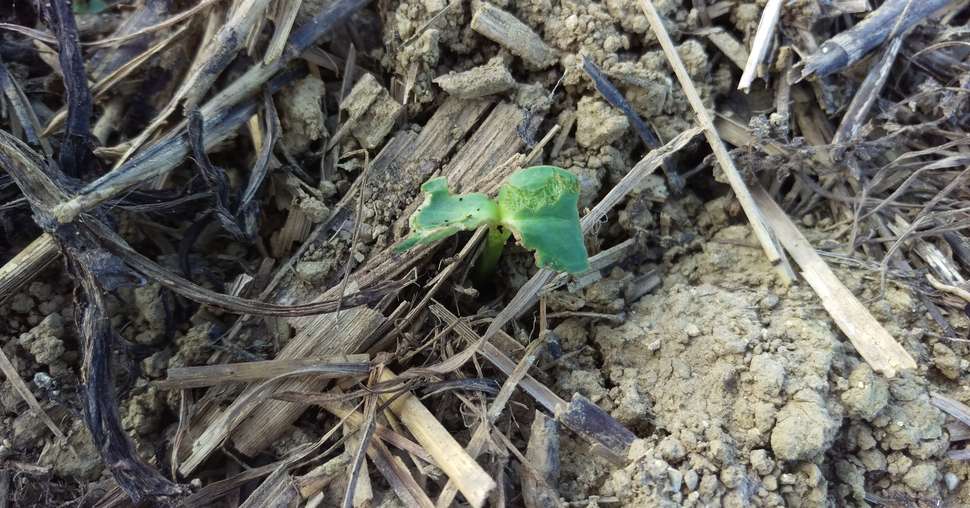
358	484
868	92
219	52
472	481
22	110
947	288
741	191
354	419
156	159
104	84
97	272
853	44
398	476
762	40
543	456
440	279
268	419
175	19
181	378
607	436
29	262
285	16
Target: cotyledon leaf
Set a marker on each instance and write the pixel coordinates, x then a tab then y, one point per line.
89	6
539	205
443	214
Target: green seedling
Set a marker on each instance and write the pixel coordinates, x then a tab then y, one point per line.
89	6
537	205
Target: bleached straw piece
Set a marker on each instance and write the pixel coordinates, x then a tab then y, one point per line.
762	38
26	265
472	481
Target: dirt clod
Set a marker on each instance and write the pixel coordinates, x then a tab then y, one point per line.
44	340
868	393
597	123
301	114
743	381
491	78
804	428
79	459
28	430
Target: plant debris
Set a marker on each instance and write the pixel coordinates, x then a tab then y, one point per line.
250	253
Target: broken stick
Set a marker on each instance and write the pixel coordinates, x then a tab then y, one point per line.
609	438
519	38
481	433
851	45
472	481
762	39
23	267
543	454
11	374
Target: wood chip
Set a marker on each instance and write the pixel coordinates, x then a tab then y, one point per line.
519	38
26	265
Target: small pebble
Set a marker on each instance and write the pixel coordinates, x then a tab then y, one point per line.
671	449
690	480
951	481
676	479
43	381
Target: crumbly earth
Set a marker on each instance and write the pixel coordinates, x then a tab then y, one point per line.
747	395
302	114
742	390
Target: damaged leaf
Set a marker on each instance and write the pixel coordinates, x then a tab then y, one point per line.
443	214
538	204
